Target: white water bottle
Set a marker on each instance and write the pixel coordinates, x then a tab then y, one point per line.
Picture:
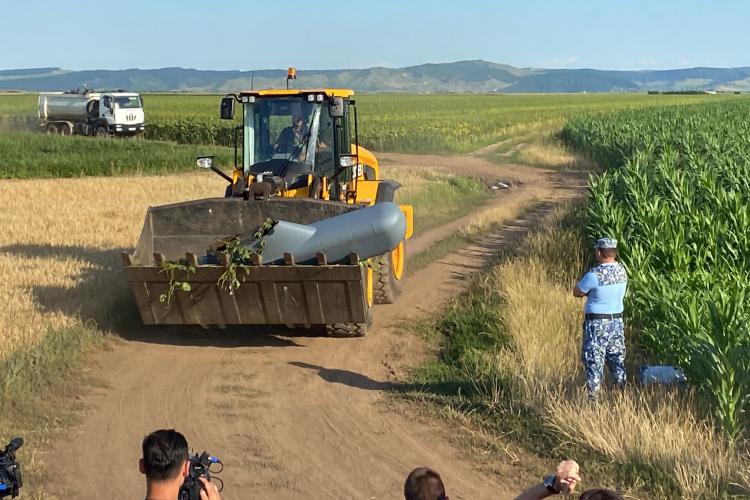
662	374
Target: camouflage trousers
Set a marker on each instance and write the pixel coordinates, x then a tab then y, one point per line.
603	341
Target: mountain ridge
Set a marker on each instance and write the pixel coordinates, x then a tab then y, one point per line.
458	76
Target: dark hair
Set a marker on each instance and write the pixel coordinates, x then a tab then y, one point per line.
164	452
424	483
600	494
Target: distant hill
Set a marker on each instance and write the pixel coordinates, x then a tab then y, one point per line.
462	76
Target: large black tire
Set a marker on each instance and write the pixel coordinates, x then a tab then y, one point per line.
387	286
349	330
51	129
101	131
66	129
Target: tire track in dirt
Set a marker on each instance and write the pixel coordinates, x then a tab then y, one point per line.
292	415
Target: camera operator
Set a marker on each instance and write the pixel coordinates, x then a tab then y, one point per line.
165	464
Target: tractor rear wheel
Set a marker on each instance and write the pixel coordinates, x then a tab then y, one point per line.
350	330
389	271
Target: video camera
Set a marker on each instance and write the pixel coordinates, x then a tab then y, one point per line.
10	470
200	465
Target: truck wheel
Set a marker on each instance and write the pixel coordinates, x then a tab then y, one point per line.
101	132
51	129
350	330
389	271
65	129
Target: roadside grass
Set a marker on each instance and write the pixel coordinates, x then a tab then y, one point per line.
436	251
442	198
27	155
38	392
483	221
539	145
508	360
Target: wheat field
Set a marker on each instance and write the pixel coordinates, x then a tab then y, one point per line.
59	255
62	238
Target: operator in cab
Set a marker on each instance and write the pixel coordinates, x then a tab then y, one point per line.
291	138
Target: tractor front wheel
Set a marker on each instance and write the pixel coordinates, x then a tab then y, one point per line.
389	270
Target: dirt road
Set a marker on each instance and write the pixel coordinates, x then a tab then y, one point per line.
291	416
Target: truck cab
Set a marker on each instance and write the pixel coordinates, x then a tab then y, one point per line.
122	112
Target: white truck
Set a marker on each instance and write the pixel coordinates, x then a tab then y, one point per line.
91	113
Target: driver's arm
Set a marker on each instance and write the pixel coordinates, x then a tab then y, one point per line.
284	139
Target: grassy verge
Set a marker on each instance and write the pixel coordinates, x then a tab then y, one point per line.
437	251
508	361
440	198
539	145
484	221
38	392
27	155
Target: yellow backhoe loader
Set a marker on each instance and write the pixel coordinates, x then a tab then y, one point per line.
307	232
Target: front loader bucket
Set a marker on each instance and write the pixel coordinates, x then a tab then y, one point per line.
268	294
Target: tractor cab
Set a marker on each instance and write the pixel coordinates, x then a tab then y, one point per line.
298	143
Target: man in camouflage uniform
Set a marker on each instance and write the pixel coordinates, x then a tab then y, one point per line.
603	329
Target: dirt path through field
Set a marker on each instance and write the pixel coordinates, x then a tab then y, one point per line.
293	416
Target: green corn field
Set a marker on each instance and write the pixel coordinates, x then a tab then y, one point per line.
387	122
676	193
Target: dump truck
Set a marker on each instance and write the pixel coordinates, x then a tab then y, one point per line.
85	112
306	232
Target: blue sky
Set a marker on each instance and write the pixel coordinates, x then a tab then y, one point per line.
604	34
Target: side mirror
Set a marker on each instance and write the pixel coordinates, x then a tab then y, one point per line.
205	162
346	161
336	107
227	108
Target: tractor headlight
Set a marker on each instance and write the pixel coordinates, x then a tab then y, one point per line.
205	162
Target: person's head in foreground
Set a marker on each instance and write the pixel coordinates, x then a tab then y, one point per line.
606	249
424	483
164	463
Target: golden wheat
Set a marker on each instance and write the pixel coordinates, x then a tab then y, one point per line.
59	255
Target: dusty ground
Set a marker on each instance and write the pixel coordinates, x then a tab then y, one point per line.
293	416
